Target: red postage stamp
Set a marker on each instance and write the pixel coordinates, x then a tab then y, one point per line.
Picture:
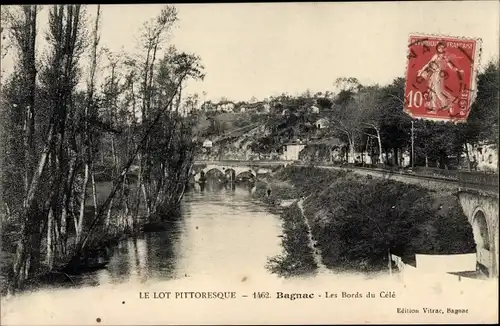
441	77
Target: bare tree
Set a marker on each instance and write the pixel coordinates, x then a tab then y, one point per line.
368	103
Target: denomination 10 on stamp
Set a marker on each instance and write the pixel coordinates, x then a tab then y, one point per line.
441	77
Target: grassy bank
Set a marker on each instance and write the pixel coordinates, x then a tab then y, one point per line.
297	258
357	220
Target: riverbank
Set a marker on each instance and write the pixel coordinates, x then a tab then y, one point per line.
355	221
97	252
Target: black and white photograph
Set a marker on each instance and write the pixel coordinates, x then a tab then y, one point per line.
249	163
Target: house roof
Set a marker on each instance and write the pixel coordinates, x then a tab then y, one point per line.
225	102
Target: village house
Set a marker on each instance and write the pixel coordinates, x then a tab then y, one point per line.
321	123
208	107
485	157
314	109
266	108
291	150
258	107
207	143
226	107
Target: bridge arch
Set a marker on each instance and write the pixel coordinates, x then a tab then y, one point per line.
238	173
481	209
480	229
213	168
484	238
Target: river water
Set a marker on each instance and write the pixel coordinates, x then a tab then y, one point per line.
222	232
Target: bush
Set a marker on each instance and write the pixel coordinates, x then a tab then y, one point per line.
357	220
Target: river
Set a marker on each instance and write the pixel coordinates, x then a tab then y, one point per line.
222	231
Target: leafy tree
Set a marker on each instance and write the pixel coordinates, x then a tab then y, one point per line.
324	103
482	123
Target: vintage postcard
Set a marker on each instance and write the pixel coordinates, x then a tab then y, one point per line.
249	163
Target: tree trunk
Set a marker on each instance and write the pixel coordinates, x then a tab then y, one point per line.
147	200
79	223
108	215
66	203
379	140
94	189
352	154
29	228
50	244
469	165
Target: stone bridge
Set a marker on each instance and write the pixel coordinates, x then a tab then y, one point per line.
232	171
234	168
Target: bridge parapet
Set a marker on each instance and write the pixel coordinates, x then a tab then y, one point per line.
478	180
241	162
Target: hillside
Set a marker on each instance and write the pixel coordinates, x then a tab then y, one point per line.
213	125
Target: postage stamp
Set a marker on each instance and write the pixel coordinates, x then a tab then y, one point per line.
441	77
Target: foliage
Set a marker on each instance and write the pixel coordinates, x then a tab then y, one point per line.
131	132
358	221
482	124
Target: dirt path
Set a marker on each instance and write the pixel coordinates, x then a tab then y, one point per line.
316	251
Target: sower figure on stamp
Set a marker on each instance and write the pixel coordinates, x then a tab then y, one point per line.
435	73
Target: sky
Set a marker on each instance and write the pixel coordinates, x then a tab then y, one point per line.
260	50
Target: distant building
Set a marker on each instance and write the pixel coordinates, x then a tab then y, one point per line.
266	108
291	150
314	109
226	107
485	157
207	143
258	107
321	123
208	106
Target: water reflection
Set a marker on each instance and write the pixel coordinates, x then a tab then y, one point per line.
222	230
